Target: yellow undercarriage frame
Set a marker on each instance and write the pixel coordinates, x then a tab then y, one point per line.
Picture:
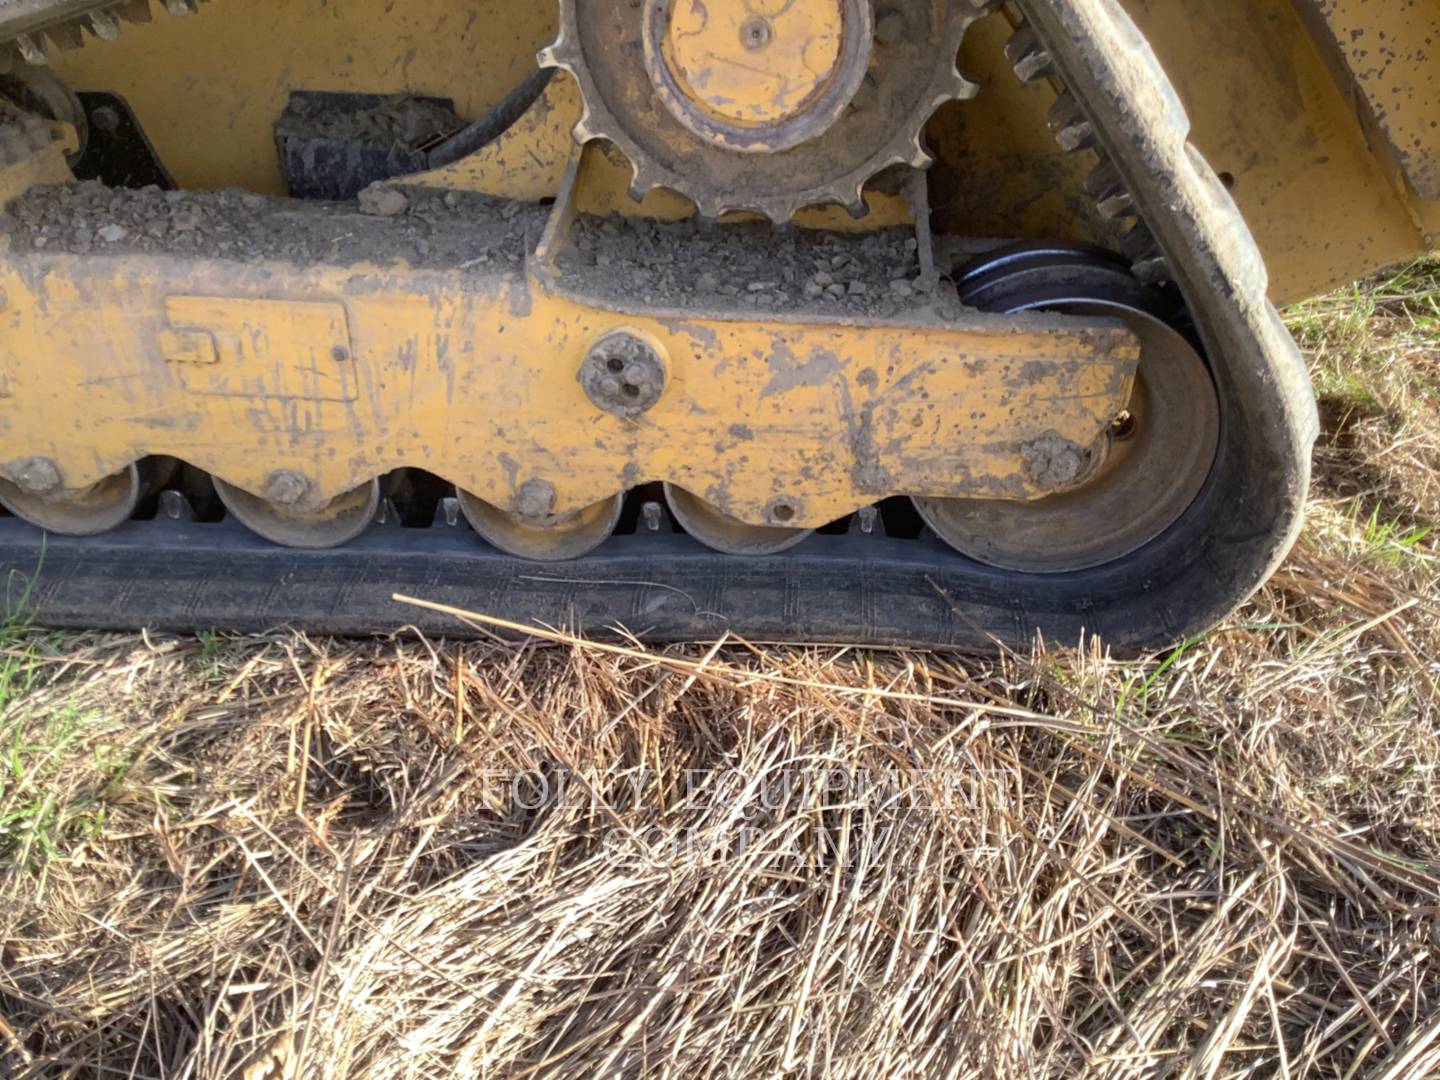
331	375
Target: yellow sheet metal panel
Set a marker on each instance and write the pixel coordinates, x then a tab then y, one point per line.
1000	172
344	373
208	87
1268	112
247	348
1389	58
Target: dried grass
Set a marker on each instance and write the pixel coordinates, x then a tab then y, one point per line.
283	857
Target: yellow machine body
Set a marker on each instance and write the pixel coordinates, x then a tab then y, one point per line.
1325	134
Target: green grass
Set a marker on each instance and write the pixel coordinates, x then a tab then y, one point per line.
40	818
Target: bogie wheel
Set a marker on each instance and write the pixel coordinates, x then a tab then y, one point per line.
88	511
719	531
543	537
331	525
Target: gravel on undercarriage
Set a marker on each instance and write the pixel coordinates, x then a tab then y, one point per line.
428	229
749	265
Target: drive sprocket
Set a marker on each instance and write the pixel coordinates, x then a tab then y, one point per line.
763	105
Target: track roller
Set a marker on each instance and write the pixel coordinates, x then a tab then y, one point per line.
724	533
34	493
285	520
542	536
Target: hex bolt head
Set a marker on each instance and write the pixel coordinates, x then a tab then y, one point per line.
783	511
535	499
37	476
106	118
286	487
1053	463
623	374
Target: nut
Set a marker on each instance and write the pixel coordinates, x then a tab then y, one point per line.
535	499
782	511
105	118
36	475
286	487
1053	462
623	374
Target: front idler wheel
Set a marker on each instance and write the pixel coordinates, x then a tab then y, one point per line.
1152	464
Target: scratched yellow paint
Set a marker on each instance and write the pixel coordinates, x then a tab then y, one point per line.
344	373
753	64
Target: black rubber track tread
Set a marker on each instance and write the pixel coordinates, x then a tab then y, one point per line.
1249	516
856	589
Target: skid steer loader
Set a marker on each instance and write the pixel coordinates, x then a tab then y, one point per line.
944	322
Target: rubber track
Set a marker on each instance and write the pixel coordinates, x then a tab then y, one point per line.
856	589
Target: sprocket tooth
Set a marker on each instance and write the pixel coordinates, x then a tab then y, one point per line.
957	88
584	131
1028	55
561	53
781	213
1072	128
182	7
710	210
642	181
